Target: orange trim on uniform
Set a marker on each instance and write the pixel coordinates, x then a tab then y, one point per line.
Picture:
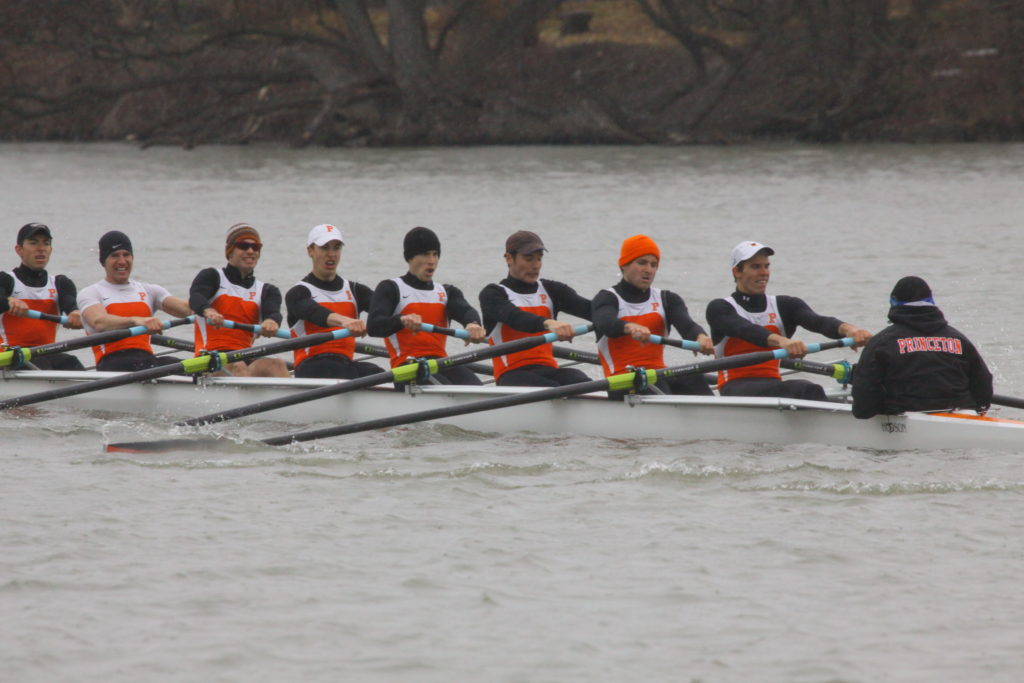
140	341
345	346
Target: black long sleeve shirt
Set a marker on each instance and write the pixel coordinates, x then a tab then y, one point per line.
382	322
496	306
67	293
724	321
606	311
301	305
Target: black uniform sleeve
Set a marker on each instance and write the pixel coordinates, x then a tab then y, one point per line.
565	298
726	322
203	289
497	308
795	312
270	307
301	306
980	379
867	391
6	287
363	294
605	315
67	294
380	322
678	316
459	308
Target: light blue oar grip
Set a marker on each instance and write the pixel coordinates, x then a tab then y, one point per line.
32	313
283	334
461	334
685	343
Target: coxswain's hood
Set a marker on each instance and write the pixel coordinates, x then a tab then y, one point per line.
926	319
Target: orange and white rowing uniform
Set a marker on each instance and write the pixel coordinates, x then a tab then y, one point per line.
769	319
538	303
342	302
618	353
131	299
19	331
432	307
235	302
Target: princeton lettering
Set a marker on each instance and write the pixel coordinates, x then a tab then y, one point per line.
935	344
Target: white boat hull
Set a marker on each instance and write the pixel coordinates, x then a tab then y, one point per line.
679	418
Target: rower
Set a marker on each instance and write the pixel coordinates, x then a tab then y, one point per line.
324	301
525	305
626	315
117	302
751	320
29	287
234	294
919	362
400	305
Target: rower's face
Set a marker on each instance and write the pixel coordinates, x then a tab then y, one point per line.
118	266
245	254
34	252
423	266
326	259
640	271
752	277
525	267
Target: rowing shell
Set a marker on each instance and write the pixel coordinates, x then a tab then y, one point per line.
679	418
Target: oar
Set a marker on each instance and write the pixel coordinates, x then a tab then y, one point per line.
1008	401
838	371
172	342
380	352
402	373
255	329
622	382
39	315
566	353
188	366
10	357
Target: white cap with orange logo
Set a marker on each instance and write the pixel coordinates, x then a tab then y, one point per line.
322	234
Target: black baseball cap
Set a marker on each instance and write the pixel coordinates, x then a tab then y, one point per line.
31	230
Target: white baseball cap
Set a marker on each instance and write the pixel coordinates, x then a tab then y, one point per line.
322	234
745	250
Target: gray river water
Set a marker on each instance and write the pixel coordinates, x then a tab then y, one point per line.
434	554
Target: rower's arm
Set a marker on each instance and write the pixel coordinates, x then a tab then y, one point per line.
99	319
496	308
565	298
270	306
6	287
605	315
176	306
380	322
724	321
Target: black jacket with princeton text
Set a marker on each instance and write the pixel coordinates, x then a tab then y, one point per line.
919	363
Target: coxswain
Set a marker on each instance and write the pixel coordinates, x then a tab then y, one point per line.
919	362
627	314
118	302
400	305
324	301
526	305
750	320
29	287
233	293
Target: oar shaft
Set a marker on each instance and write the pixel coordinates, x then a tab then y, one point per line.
188	366
255	329
1008	401
6	357
402	373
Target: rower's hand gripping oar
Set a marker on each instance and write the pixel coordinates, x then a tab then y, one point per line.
206	363
402	373
621	382
20	355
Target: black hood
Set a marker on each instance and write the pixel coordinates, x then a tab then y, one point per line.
926	319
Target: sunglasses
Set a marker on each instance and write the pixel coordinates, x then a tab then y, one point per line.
246	246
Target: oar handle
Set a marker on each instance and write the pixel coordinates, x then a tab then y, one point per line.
231	324
39	315
450	331
678	343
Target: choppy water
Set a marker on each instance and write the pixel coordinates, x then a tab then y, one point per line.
435	554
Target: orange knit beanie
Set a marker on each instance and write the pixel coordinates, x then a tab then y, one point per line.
636	246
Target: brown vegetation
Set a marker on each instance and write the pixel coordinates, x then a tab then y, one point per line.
384	72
